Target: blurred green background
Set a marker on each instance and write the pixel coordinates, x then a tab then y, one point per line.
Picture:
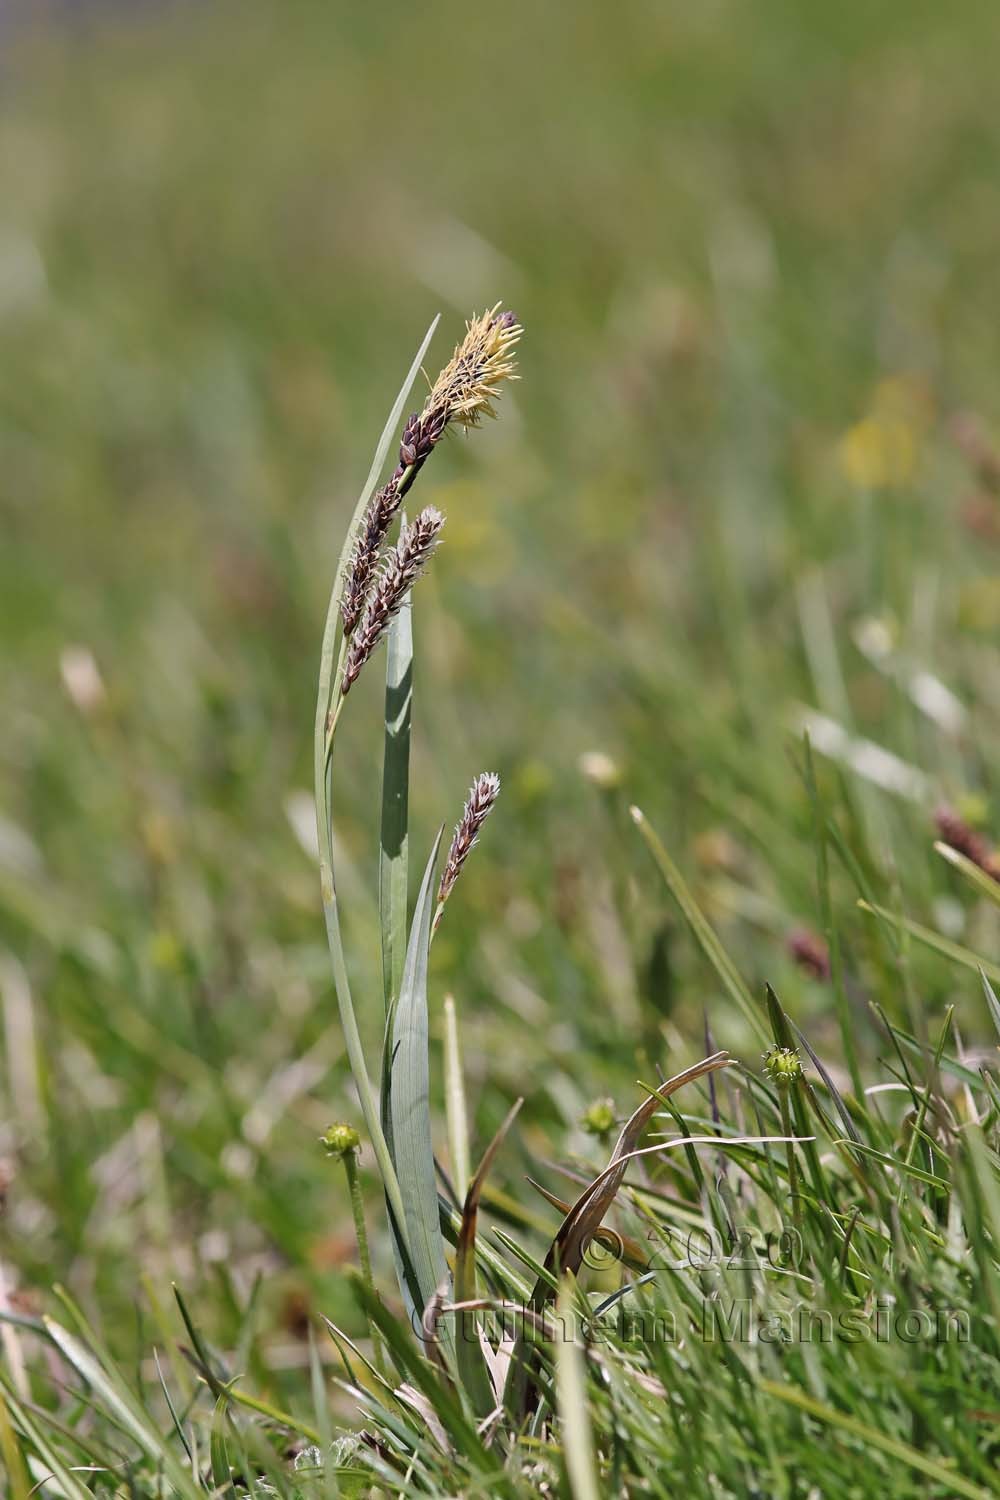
747	469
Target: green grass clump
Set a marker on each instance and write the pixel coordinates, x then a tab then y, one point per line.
804	1290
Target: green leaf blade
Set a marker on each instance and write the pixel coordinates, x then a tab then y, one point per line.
393	842
701	929
409	1101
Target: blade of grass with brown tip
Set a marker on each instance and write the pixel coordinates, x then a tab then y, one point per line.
577	1229
587	1213
632	1251
780	1028
472	1369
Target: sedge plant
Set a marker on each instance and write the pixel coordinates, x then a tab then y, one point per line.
815	1208
370	604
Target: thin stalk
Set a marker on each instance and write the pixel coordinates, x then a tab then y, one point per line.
830	927
793	1170
361	1233
322	746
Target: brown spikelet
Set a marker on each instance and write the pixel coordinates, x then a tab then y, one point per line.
482	795
463	392
415	445
372	532
809	951
405	562
957	834
972	438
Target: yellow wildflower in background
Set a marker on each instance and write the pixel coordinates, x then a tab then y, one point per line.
882	450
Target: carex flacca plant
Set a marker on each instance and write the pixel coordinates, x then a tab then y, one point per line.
370	607
384	555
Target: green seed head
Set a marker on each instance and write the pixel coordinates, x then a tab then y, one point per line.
341	1140
599	1119
782	1065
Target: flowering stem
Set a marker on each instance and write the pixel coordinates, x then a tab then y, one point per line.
322	744
358	1211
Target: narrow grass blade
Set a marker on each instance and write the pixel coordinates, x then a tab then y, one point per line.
345	1346
906	1041
427	1380
829	924
218	1450
941	1473
545	1280
472	1370
170	1406
317	1389
931	939
454	1099
898	1166
405	1274
571	1402
700	928
409	1101
121	1405
698	1177
273	1413
835	1094
13	1459
67	1486
204	1356
984	883
393	864
993	1004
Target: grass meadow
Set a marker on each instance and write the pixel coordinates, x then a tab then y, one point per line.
717	597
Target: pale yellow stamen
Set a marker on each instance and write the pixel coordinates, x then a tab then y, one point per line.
470	382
